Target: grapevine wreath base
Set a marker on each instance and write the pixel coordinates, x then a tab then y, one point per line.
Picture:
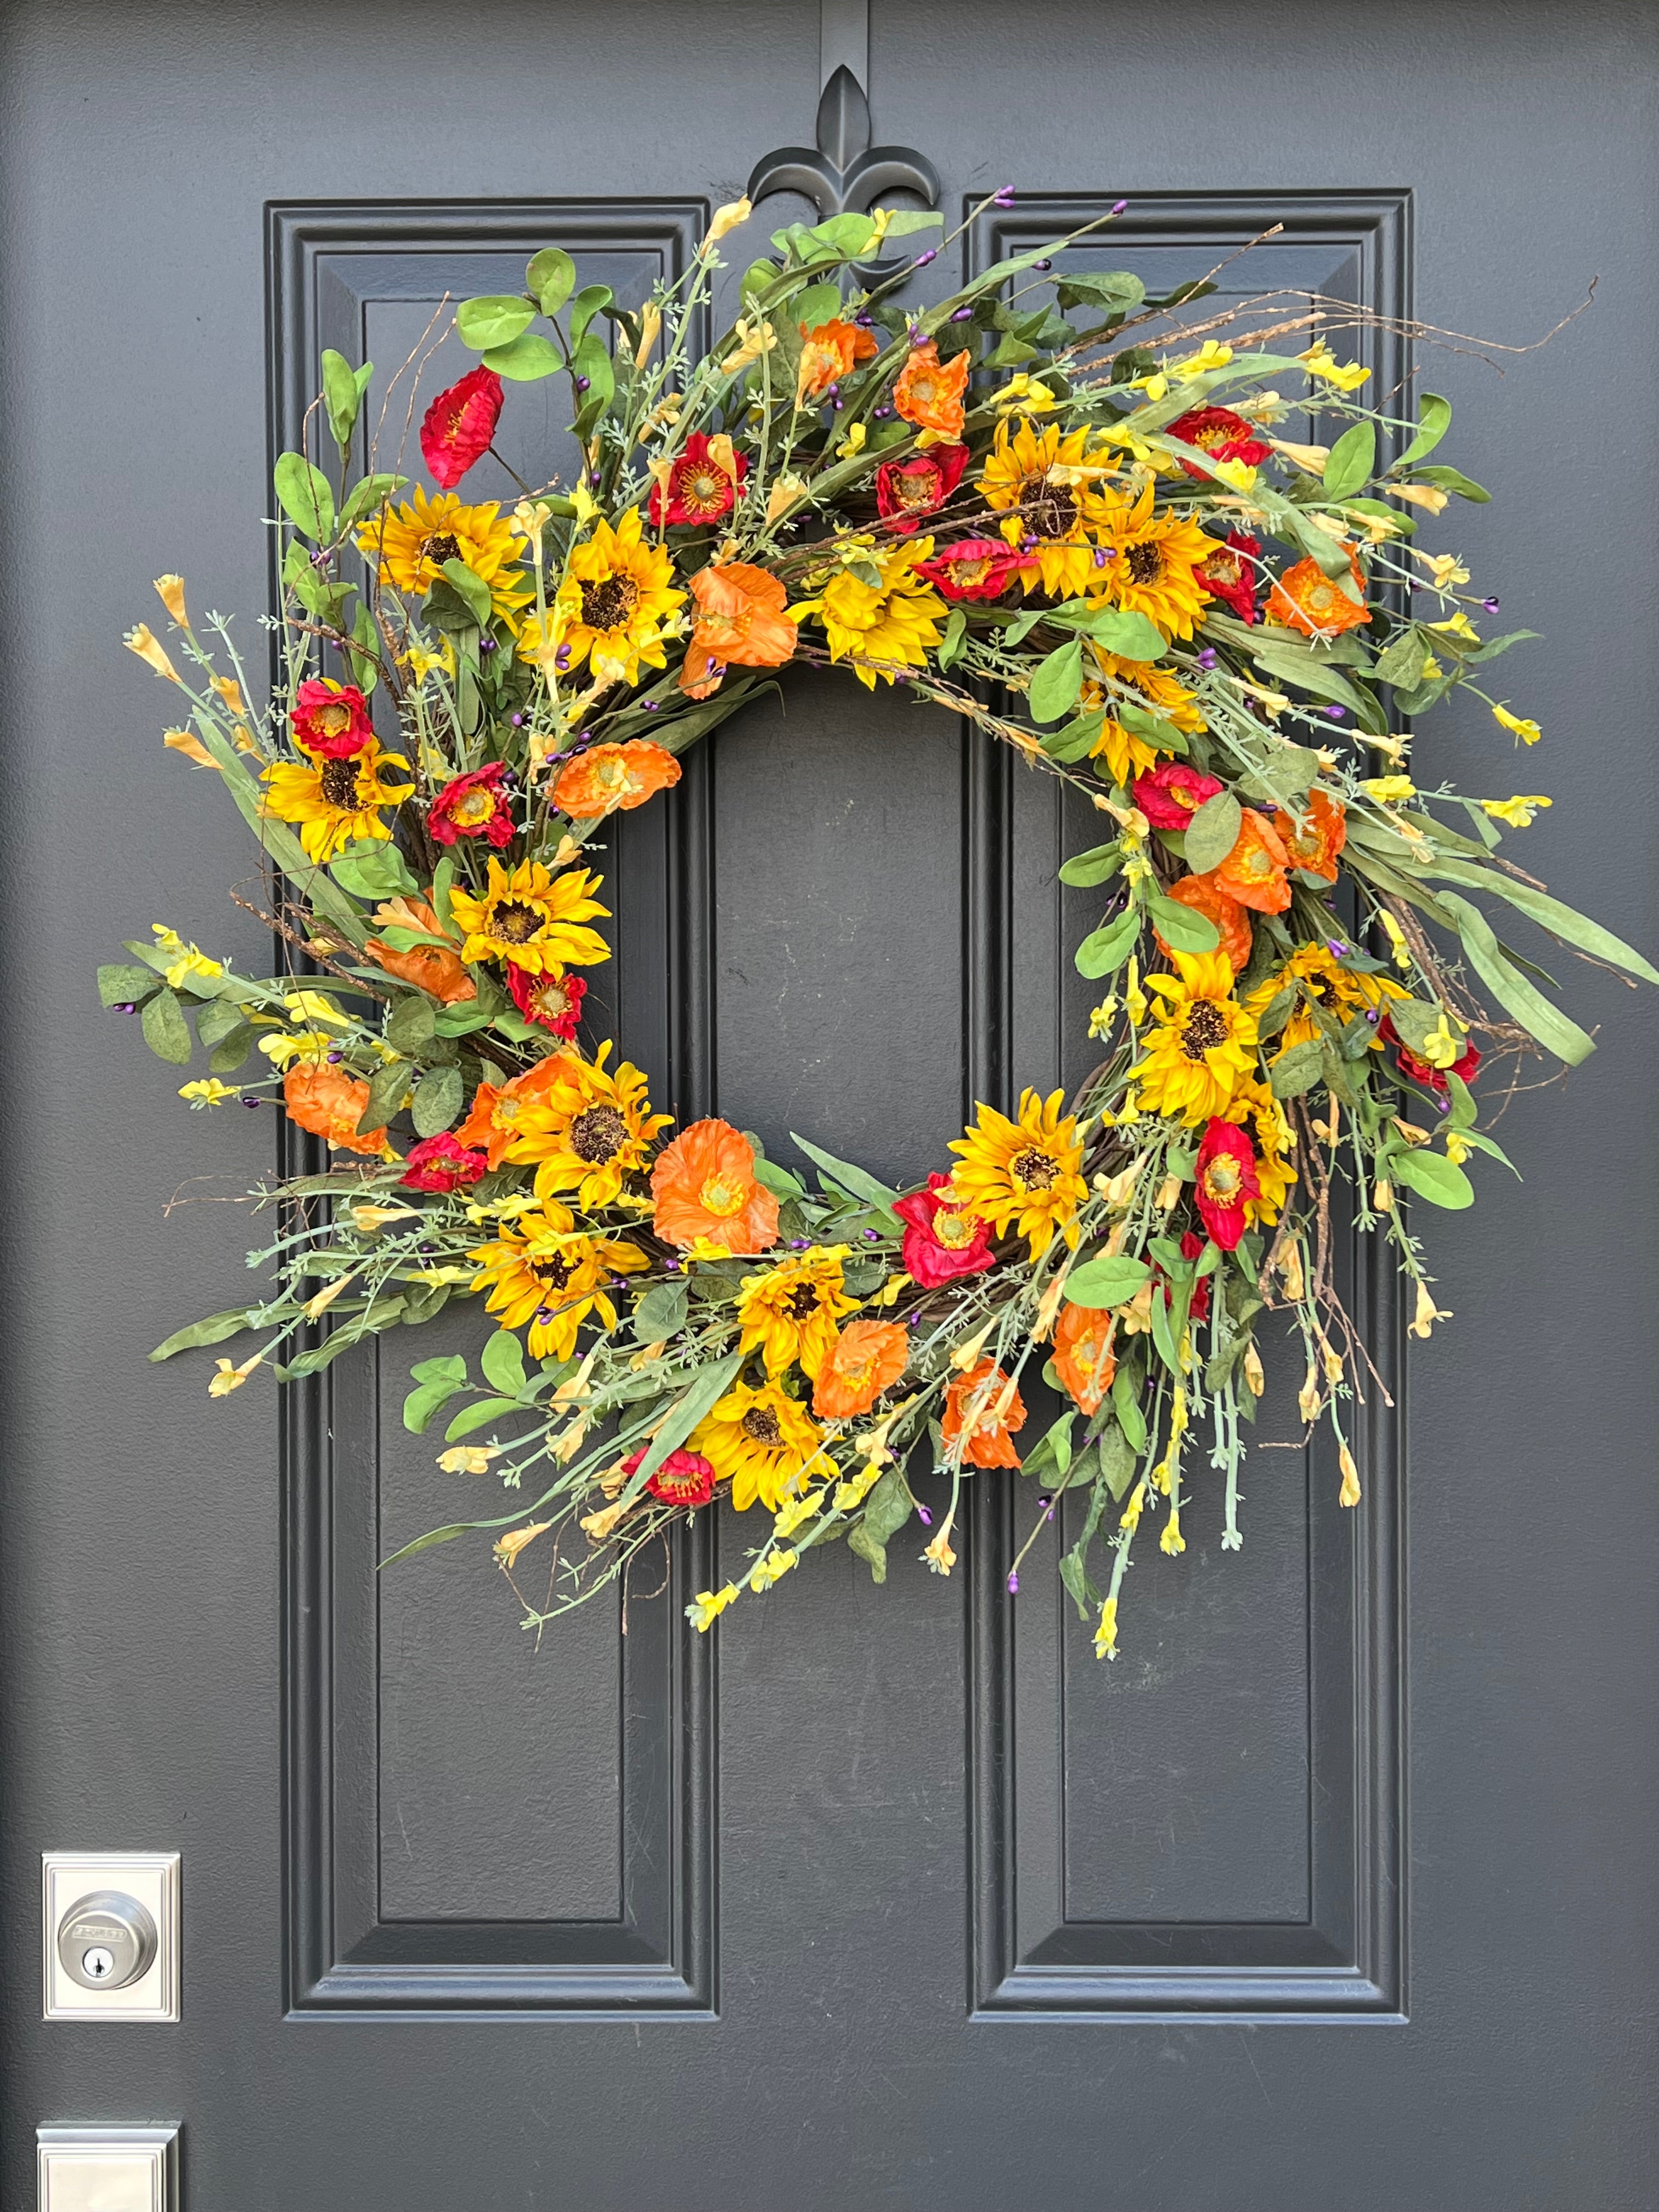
1114	560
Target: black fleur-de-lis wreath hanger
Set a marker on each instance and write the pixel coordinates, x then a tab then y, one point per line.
844	173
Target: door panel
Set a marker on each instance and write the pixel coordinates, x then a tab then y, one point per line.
879	1896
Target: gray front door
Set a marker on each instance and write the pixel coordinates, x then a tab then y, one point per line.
1334	1893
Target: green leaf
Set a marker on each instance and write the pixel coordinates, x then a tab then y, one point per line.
1057	683
1097	866
213	1330
1404	659
528	359
1297	1070
591	300
1107	1281
1114	289
551	276
452	1368
903	222
1433	1177
1352	461
386	1091
374	869
1433	420
1119	1456
1510	987
284	846
410	1028
121	986
592	360
502	1362
1182	929
1051	1455
1212	833
305	495
165	1030
232	1049
1132	636
479	1416
1126	1403
367	494
344	387
437	1100
857	1180
777	1180
1076	739
886	1509
660	1313
471	589
1105	949
1563	921
681	1419
431	1398
495	319
1454	480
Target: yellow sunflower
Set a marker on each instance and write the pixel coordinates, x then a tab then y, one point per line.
790	1310
1023	1174
1254	1103
1140	683
542	1270
532	918
1057	518
885	626
1202	1048
610	610
1151	574
1339	990
335	802
410	545
590	1128
761	1441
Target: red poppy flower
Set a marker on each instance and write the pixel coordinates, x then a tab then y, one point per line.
685	1478
457	428
1222	434
1172	794
473	805
700	490
941	1242
1432	1078
1226	1178
974	568
906	491
331	719
442	1164
553	1000
1228	573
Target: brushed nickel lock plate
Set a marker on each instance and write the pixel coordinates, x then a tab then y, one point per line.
107	2169
110	1934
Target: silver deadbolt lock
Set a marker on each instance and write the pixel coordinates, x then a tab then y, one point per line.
106	1940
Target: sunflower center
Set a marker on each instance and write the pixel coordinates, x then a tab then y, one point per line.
554	1273
339	785
598	1135
1145	563
1034	1169
760	1424
1203	1028
720	1197
1051	509
608	603
802	1303
444	546
954	1229
513	922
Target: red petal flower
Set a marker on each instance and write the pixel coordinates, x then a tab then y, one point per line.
935	1252
1222	434
473	805
974	568
457	428
1229	574
685	1478
698	488
331	719
906	491
1172	794
553	1000
1198	1307
1226	1178
442	1164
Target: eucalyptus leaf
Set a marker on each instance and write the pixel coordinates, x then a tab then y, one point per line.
1109	1280
1433	1177
502	1362
1297	1070
122	986
494	321
1057	683
305	495
437	1100
1212	833
386	1091
165	1030
1181	927
1105	949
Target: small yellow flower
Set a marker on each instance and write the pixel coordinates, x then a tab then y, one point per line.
706	1608
728	218
230	1378
508	1547
1517	811
753	339
782	496
598	1526
1130	1517
1389	790
1102	1018
1458	1147
1528	731
143	641
467	1459
772	1569
1209	355
189	961
1320	361
1026	393
1106	1634
1172	1541
1155	386
368	1219
1427	1314
441	1275
307	1044
1239	474
1458	625
1349	1493
1256	1380
1383	1195
853	443
315	1308
1396	936
1428	496
172	591
1443	1045
1445	569
938	1555
210	1091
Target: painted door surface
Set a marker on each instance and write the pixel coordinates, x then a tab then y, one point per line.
1334	1893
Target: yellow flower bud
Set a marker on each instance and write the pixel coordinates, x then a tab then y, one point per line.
143	641
172	591
1106	1634
1256	1380
1172	1541
230	1378
1349	1493
726	219
1383	1195
508	1547
468	1459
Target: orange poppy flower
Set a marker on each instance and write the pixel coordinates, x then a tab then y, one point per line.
1206	896
1253	872
493	1124
831	350
867	1357
1314	843
429	967
704	1185
330	1103
970	1410
1083	1358
1305	598
608	778
741	619
929	391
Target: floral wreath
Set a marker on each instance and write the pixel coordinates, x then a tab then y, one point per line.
1103	555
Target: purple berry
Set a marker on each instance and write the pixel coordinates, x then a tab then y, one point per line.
924	1516
1119	207
248	1099
963	315
1013	1582
922	260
